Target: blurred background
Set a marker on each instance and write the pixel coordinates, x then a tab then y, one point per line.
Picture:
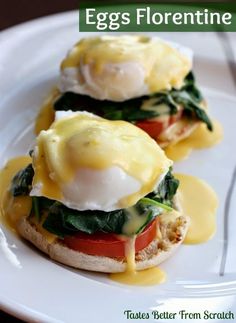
13	12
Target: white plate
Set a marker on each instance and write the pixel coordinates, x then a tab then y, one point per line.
39	289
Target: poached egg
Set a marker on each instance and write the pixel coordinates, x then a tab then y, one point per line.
90	163
119	68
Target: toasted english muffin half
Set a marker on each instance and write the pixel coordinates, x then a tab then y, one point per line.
170	234
179	130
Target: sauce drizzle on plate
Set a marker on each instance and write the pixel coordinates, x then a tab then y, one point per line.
199	139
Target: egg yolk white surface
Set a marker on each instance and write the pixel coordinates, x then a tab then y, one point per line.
120	68
89	163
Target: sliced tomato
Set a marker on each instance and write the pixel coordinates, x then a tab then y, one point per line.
155	127
108	244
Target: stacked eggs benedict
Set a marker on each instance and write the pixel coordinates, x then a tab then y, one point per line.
96	185
146	81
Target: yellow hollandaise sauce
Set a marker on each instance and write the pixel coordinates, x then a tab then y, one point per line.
46	114
151	54
199	202
12	209
82	141
147	277
200	138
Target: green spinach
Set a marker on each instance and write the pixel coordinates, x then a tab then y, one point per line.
22	181
65	221
62	220
142	108
166	190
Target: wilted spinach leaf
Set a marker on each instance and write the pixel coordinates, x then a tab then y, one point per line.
62	220
65	221
22	181
132	110
166	190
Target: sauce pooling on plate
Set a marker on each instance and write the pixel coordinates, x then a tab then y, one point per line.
200	138
198	201
131	276
12	209
147	277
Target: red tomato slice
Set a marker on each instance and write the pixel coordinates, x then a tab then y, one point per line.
108	244
155	127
